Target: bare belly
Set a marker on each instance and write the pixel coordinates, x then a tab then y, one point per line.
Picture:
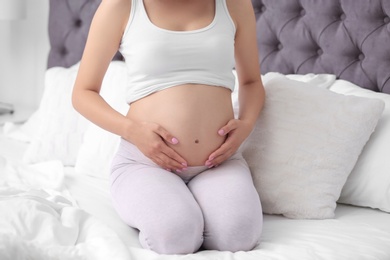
192	113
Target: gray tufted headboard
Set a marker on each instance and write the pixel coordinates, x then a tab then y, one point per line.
69	22
348	38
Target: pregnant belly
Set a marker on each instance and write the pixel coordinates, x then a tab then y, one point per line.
192	113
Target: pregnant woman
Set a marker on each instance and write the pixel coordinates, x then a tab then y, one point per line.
178	176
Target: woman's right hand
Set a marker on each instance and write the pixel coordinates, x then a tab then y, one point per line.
151	139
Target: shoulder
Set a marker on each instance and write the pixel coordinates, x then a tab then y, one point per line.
239	10
116	10
117	7
117	3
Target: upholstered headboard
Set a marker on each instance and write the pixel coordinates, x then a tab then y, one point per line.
69	22
348	38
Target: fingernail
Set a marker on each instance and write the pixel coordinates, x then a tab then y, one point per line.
221	132
175	141
179	171
208	163
184	164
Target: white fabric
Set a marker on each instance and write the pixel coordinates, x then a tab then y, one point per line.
24	132
99	146
9	148
369	183
159	59
60	128
318	80
304	146
56	130
96	150
354	233
40	220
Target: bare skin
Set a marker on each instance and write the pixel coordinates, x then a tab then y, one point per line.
190	113
185	125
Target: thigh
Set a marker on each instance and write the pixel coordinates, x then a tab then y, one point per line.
141	189
230	186
142	193
160	206
230	204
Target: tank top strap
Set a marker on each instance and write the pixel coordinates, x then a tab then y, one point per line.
158	58
140	11
223	11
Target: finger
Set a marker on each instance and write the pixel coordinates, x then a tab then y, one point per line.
221	158
167	163
174	159
218	160
162	161
218	156
230	126
220	151
166	135
165	156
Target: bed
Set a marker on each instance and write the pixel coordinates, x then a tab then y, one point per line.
317	153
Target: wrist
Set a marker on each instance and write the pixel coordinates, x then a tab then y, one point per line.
250	124
127	129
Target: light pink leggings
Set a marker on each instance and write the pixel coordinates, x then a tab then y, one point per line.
218	208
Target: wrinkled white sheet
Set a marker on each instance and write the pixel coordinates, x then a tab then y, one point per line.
40	220
49	212
354	234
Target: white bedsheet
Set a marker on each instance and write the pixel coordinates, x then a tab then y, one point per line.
39	218
355	233
49	212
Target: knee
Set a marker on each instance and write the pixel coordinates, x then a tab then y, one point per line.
175	235
240	233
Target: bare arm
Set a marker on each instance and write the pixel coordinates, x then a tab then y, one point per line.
104	38
251	92
103	41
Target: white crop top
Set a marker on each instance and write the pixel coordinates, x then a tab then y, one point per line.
157	58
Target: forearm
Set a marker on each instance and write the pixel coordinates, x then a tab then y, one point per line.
251	101
94	108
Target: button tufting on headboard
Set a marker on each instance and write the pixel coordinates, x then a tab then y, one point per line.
348	38
78	23
63	51
69	22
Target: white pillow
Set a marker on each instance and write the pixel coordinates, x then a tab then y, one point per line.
61	128
99	146
319	80
369	183
304	146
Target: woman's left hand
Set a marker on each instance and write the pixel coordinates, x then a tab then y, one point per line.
236	131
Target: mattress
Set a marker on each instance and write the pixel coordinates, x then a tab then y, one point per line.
355	232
